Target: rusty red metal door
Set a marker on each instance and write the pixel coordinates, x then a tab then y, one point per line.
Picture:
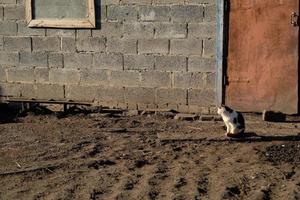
262	62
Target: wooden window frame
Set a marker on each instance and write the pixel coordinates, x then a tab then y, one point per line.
89	22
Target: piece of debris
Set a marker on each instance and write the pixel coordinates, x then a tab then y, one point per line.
188	117
168	114
272	116
49	168
19	166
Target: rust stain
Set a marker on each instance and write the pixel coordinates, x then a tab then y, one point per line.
263	56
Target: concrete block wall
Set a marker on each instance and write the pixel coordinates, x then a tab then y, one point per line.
144	54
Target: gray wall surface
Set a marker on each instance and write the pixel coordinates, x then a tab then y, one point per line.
144	54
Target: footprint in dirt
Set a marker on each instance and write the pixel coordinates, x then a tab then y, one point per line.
100	163
180	183
202	187
152	194
231	192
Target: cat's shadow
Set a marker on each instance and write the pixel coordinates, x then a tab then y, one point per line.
253	137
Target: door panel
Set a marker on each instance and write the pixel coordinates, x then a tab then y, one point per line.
262	65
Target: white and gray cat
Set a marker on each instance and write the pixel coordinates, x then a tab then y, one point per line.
234	121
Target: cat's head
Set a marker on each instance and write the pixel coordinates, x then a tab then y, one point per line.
223	109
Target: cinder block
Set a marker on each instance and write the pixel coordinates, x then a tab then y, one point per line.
1	13
140	95
46	43
125	78
17	44
91	44
201	97
8	28
8	1
200	64
83	33
200	1
23	30
202	30
213	111
109	29
210	80
170	30
94	77
68	44
189	80
64	76
49	92
168	2
155	79
121	13
110	94
128	46
80	93
2	75
14	12
78	60
33	59
153	46
136	2
188	13
106	2
1	42
209	48
52	32
28	91
55	60
9	58
171	63
138	62
171	96
41	75
210	13
186	47
108	61
139	30
20	74
10	89
154	13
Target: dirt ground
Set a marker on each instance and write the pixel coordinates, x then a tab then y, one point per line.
113	156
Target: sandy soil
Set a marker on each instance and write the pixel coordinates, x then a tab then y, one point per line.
112	156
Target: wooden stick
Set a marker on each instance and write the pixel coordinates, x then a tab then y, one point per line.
46	168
